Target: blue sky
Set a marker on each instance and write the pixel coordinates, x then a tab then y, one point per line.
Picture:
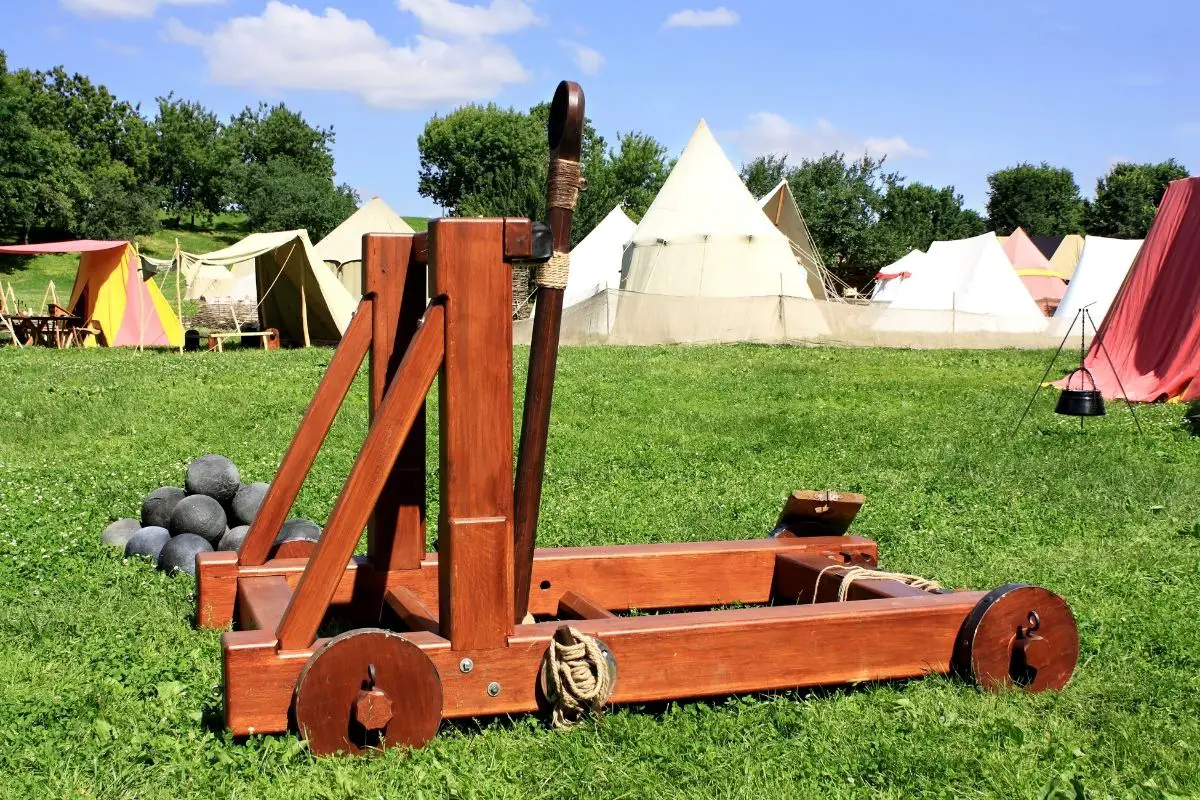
949	89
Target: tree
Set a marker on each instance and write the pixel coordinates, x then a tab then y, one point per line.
629	176
1127	198
258	137
1043	200
764	173
282	195
915	215
190	158
117	205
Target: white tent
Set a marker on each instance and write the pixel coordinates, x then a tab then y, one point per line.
342	248
780	206
964	286
1097	278
706	236
889	279
596	261
297	292
205	281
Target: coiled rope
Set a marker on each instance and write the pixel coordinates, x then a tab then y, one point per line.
576	677
853	574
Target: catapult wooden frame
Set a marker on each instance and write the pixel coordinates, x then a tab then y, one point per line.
458	645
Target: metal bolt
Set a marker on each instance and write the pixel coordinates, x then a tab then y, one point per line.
493	689
466	665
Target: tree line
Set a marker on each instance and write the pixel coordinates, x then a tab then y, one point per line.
76	161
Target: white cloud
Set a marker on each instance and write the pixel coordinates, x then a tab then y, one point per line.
121	48
767	132
287	47
718	17
587	59
128	9
457	19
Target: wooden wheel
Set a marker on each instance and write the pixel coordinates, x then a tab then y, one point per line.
367	689
1018	635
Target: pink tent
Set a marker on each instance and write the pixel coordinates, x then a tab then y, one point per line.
1036	271
78	246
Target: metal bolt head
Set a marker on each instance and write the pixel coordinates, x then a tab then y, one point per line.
466	665
493	689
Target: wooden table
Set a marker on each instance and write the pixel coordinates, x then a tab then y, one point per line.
43	330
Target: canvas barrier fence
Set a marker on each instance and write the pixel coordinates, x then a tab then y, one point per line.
614	317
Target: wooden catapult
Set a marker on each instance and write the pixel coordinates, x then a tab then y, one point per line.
475	628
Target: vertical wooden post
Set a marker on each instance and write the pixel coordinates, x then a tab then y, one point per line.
475	546
303	306
391	270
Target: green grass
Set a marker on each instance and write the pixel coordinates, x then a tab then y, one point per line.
418	224
107	691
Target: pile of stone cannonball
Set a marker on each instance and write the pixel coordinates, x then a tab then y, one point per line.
213	511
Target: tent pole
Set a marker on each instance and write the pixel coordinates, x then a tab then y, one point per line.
178	259
303	309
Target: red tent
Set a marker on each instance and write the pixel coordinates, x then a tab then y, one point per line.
1152	330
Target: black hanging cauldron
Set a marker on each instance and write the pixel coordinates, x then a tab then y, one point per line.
1081	402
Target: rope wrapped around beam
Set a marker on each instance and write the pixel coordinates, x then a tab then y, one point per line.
853	574
575	676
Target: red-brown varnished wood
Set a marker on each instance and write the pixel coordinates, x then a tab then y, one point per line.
412	612
312	431
294	548
573	605
518	238
565	138
261	602
216	588
369	676
797	576
475	413
396	531
818	513
371	468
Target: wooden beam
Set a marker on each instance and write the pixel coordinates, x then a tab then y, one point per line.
261	602
409	608
573	605
818	513
797	575
403	402
314	427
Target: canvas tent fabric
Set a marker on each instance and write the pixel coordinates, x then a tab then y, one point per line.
1046	245
205	280
1066	256
291	283
342	247
1035	270
706	236
1102	269
964	285
889	279
112	296
1152	330
596	261
781	208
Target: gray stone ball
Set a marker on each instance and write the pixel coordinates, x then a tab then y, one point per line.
179	554
247	502
215	476
199	514
158	505
148	542
233	538
298	529
120	532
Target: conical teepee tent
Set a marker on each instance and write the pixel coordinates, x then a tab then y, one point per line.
1066	256
596	261
1036	271
889	279
1101	271
780	206
706	236
342	248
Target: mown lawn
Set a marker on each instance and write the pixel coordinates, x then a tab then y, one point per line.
107	691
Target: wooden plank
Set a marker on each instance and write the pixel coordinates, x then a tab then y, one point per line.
401	405
408	607
309	436
475	402
798	575
261	602
818	513
396	531
573	605
216	588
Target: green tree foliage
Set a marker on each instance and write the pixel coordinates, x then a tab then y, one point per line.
117	205
491	161
190	157
1127	198
1043	200
915	215
764	173
282	195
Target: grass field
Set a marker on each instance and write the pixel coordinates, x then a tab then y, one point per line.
107	691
